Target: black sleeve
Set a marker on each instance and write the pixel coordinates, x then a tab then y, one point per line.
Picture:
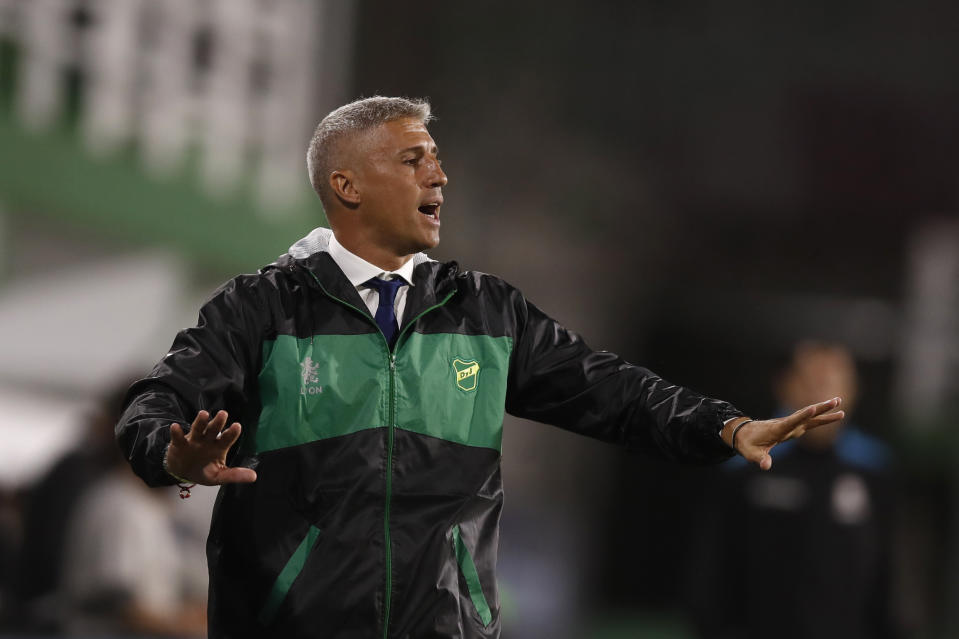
557	379
211	366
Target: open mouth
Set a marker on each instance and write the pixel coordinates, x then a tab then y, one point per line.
432	210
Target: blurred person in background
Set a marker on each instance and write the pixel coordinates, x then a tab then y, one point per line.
48	507
805	553
125	570
10	533
371	383
40	601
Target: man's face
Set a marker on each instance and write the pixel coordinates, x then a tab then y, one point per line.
400	183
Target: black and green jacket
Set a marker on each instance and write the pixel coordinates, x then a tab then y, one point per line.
377	504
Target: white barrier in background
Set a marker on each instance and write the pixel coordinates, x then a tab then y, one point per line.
928	375
235	78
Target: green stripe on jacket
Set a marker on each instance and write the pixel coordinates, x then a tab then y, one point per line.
448	385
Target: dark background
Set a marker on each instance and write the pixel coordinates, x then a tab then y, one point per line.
739	175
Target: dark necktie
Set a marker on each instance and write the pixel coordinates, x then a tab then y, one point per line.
385	313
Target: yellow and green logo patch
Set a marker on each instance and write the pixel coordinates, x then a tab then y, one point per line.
466	374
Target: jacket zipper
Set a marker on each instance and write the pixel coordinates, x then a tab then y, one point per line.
387	540
391	363
389	465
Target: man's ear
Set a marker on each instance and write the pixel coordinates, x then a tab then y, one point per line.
344	186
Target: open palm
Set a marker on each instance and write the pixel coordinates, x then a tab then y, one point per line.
757	438
200	455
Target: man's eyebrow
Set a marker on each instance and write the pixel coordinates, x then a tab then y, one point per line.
419	149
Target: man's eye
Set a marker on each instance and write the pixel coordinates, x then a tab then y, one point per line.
411	161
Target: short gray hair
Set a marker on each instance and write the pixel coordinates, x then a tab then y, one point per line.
350	119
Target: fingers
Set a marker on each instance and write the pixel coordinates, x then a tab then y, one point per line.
758	455
782	428
215	425
177	438
823	420
814	409
204	427
208	434
802	418
814	422
229	436
828	418
236	475
198	427
828	405
766	462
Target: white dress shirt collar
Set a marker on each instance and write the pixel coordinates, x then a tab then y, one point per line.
358	271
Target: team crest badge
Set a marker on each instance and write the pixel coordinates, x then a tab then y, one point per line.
467	374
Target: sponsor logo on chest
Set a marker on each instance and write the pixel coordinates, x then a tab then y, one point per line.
310	378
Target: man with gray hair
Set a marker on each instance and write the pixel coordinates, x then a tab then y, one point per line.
362	497
344	125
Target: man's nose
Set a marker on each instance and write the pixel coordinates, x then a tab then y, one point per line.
437	178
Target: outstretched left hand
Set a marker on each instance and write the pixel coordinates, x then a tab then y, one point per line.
757	438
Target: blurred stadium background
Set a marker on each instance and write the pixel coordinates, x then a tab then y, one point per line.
696	186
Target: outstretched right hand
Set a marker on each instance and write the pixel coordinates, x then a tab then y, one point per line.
200	455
